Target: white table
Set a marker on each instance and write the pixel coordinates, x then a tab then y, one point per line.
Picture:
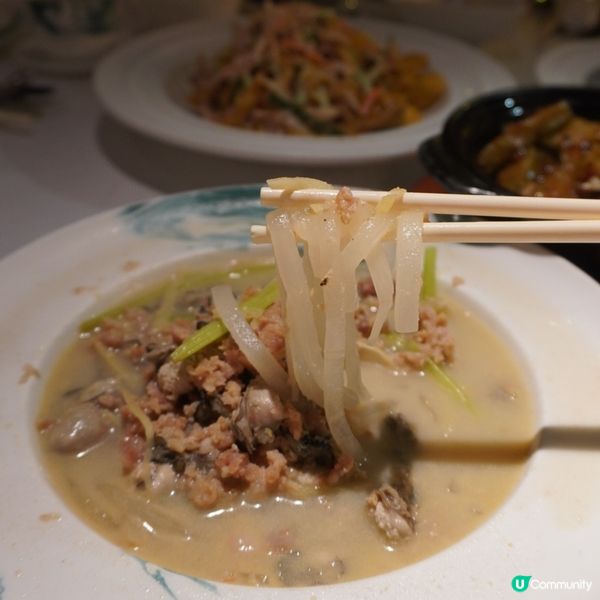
57	173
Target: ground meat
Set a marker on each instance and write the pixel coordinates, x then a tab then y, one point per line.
220	433
176	433
392	512
232	464
154	402
270	328
111	334
180	329
131	326
212	373
232	395
433	340
345	204
234	356
433	335
266	479
181	435
203	490
217	427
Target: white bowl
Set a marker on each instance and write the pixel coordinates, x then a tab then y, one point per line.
548	528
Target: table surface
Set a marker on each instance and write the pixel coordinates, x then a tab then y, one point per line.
76	161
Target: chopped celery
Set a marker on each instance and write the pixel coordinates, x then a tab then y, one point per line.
449	384
399	342
183	283
429	287
205	336
252	307
257	304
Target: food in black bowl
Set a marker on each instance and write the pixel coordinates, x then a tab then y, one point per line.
528	141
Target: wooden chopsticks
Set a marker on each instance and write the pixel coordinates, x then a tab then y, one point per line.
531	207
492	232
569	220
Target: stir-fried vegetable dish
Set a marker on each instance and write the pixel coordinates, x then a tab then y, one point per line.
300	69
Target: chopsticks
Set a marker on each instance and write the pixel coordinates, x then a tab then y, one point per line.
492	232
570	220
532	207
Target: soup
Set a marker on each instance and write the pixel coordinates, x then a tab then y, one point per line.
276	503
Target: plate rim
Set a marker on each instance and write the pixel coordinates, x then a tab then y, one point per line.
376	145
545	66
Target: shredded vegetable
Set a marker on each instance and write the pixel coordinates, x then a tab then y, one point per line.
409	262
182	282
215	330
299	69
447	382
248	342
429	287
398	341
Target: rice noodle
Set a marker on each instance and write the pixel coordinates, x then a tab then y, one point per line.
297	183
320	293
409	262
249	343
304	343
383	281
334	352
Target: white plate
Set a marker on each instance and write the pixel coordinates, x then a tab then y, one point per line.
141	85
571	63
549	528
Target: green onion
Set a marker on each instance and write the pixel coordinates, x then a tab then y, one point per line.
429	287
213	331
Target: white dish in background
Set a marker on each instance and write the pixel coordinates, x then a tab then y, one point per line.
142	85
571	63
548	528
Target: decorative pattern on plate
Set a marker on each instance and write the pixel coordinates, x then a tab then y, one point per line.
158	576
215	217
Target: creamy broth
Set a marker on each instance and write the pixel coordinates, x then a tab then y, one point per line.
321	537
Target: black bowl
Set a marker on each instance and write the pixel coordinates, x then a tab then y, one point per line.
451	157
